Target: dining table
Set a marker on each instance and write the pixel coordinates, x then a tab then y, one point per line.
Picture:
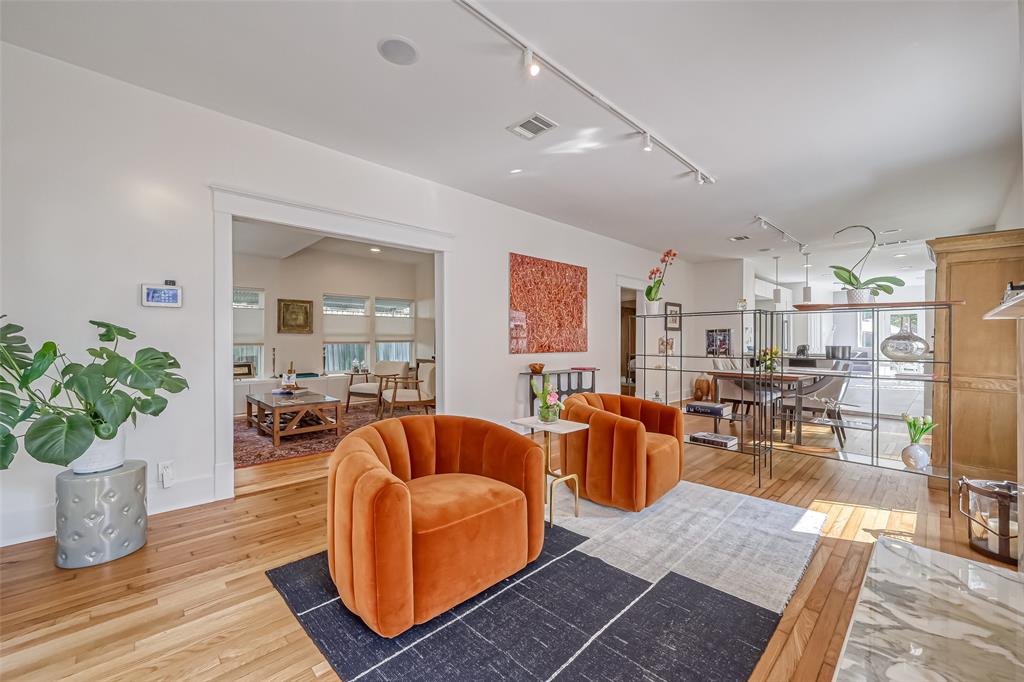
785	381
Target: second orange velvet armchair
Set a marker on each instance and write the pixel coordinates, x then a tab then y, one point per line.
631	455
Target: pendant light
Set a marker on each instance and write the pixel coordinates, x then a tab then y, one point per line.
807	274
777	292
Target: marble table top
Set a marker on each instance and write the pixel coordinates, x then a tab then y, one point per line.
924	615
560	427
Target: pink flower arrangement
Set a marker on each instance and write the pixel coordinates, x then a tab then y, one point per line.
657	275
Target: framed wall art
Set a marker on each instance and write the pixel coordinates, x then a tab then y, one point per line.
673	321
547	306
294	316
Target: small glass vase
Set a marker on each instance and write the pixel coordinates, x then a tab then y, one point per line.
549	413
905	345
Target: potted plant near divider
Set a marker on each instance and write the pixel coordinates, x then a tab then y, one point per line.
656	277
858	290
76	413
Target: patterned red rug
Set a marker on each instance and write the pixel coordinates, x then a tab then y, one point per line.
253	447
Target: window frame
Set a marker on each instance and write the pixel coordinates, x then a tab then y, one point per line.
411	304
367	305
261	296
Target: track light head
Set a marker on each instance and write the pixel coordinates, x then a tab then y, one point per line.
647	142
700	178
529	63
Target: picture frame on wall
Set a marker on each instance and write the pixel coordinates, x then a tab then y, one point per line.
717	342
673	321
294	316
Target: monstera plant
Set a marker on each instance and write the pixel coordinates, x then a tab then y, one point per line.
68	405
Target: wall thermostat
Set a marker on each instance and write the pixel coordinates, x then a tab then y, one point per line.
161	295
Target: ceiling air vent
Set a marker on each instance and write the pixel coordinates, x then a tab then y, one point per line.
532	127
739	238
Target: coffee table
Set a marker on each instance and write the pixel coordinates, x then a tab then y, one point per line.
561	427
305	410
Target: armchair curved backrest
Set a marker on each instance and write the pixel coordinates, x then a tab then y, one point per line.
611	457
369	524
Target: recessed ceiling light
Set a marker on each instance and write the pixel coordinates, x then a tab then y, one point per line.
514	171
398	50
899	255
374	249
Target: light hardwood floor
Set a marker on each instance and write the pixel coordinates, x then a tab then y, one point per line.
194	604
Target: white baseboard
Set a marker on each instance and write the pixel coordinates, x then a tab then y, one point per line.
25	525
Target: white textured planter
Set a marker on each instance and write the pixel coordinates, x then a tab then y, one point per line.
652	307
102	455
916	457
859	296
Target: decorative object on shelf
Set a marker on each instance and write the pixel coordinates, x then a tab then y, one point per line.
858	290
244	370
100	516
837	352
666	345
741	304
905	345
78	418
915	456
536	367
294	316
717	342
547	306
673	319
994	527
703	387
1013	291
768	357
550	405
801	350
652	294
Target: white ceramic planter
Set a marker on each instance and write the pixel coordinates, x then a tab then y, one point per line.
859	296
652	307
102	455
916	457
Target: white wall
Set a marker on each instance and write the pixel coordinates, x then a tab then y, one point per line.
311	273
1011	217
106	185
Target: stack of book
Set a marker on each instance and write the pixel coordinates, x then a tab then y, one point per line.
717	439
709	409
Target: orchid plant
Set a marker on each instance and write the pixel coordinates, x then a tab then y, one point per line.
656	276
919	427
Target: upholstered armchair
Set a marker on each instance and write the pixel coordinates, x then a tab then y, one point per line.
373	387
631	455
410	392
424	512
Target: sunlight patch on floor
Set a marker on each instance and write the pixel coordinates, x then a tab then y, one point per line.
864	523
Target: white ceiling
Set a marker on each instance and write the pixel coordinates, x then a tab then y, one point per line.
818	115
271	240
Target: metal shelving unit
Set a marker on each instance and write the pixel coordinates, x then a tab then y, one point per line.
664	371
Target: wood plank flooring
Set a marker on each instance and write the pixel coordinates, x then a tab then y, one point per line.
194	604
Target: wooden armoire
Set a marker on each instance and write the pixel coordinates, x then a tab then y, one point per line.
975	268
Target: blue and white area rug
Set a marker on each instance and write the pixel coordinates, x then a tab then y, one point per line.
689	589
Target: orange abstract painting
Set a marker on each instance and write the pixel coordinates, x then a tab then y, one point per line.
547	306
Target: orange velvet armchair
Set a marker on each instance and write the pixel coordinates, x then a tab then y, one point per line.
631	455
424	512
